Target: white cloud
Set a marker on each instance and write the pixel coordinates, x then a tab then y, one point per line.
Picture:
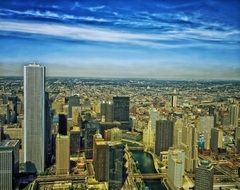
94	9
186	38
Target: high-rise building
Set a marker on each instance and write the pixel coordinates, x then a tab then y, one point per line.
1	132
190	146
108	163
164	135
204	176
116	152
205	124
75	140
72	101
233	113
175	171
107	111
121	111
177	133
76	111
6	169
62	154
100	158
34	118
237	134
91	128
154	115
216	139
62	124
9	163
174	101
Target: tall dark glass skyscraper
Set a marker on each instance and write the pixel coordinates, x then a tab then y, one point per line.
121	111
62	124
164	135
34	118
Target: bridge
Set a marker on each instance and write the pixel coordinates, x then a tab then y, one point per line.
150	175
135	148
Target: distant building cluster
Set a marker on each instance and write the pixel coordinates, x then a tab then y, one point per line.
73	133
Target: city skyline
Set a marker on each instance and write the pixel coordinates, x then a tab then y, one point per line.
156	39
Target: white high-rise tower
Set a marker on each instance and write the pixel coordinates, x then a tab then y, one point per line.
34	118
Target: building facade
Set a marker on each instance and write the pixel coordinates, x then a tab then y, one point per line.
204	176
34	118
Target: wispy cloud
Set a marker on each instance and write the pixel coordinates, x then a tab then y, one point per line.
50	14
81	32
94	9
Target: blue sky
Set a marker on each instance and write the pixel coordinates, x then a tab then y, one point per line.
175	39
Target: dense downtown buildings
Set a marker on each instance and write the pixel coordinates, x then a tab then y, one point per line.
118	134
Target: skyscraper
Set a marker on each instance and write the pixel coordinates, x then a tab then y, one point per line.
190	146
233	113
34	118
90	130
107	111
9	163
73	101
204	176
62	154
62	124
216	140
205	124
175	172
121	111
174	101
75	140
164	135
177	133
100	158
108	162
116	152
6	169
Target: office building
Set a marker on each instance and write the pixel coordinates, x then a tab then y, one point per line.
177	133
114	134
62	124
34	118
76	118
121	111
12	145
62	154
205	124
116	177
216	139
6	169
72	101
174	101
75	140
204	176
154	116
190	146
91	128
164	135
106	111
100	158
108	163
237	134
9	163
1	133
233	114
175	171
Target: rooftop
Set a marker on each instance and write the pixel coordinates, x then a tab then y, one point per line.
8	143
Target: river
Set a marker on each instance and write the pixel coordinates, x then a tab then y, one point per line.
146	165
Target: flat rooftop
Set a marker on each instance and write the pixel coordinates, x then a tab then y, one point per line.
8	143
